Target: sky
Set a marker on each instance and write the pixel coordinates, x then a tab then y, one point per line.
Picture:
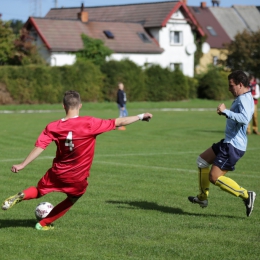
22	9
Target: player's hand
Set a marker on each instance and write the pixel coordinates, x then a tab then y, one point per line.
16	168
147	117
221	108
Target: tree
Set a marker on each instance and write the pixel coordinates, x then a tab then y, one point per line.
17	50
6	42
25	51
94	50
244	52
16	25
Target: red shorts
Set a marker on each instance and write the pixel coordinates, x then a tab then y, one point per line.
49	183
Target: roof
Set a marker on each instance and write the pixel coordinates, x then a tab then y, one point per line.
147	14
65	35
206	19
250	16
233	20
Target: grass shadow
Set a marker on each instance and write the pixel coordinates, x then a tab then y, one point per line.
145	205
6	223
211	131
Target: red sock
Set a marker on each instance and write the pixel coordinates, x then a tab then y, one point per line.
57	212
31	193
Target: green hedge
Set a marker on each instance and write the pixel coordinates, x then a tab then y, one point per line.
44	84
214	85
127	72
165	85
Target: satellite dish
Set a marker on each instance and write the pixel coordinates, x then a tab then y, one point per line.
205	47
191	48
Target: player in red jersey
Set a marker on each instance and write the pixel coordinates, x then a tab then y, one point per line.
75	138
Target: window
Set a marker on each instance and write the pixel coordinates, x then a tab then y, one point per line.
143	37
215	60
174	66
211	31
175	37
196	9
109	34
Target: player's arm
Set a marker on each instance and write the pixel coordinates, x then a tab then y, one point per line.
36	151
122	121
242	117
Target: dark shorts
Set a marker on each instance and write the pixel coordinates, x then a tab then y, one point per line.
48	183
226	155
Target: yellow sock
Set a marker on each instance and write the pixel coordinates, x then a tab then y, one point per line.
203	183
231	187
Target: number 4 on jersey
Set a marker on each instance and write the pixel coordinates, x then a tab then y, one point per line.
68	141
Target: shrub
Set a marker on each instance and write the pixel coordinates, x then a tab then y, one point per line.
214	85
165	85
127	72
193	84
44	84
84	77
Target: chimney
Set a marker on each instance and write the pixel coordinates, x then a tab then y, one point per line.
215	2
82	15
203	5
184	1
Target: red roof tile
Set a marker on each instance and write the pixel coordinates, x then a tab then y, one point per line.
206	19
147	14
65	35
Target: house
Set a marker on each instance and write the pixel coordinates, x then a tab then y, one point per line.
149	33
237	18
58	40
221	25
213	49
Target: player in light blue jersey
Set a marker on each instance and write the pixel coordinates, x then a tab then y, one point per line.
224	155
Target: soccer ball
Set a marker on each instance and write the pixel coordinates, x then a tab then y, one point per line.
43	209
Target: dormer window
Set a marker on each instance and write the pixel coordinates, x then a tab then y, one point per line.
196	9
143	37
211	31
109	34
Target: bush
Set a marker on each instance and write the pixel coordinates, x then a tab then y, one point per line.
214	85
129	74
193	84
165	85
44	84
84	77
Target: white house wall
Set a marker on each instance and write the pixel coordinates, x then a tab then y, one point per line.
172	53
62	58
177	53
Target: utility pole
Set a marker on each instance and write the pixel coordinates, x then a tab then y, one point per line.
56	3
36	8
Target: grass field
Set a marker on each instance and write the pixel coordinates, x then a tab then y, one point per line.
136	204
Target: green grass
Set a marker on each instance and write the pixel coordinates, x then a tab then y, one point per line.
136	204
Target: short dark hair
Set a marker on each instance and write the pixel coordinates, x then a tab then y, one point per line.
239	76
71	99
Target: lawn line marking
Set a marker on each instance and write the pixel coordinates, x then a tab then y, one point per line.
132	165
168	169
31	111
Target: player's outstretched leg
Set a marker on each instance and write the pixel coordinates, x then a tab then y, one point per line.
249	202
203	177
11	201
235	189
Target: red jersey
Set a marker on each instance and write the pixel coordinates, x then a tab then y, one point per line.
75	139
253	91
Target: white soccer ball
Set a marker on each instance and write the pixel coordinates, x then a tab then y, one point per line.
43	209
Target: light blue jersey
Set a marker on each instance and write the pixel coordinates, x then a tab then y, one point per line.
238	118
